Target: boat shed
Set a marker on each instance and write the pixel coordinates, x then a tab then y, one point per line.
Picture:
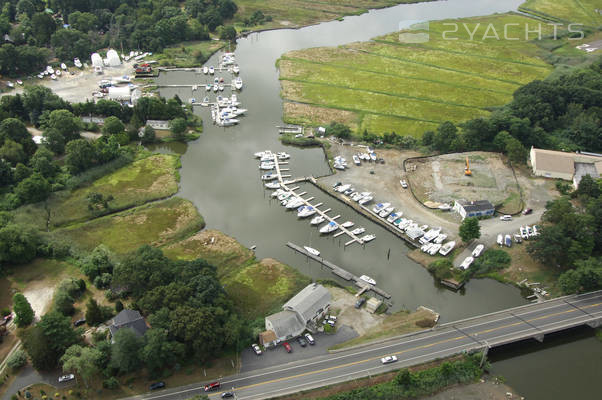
96	60
478	208
564	165
113	59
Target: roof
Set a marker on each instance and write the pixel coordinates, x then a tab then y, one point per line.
310	301
554	161
478	205
285	323
582	169
268	336
129	319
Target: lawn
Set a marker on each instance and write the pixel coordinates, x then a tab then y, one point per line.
568	11
188	54
155	224
258	287
296	13
151	178
385	85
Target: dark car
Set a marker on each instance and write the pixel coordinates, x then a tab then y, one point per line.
302	341
227	394
287	347
527	211
212	385
360	302
157	385
79	322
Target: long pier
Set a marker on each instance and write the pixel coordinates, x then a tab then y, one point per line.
283	184
340	272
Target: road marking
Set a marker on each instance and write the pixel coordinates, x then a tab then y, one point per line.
379	357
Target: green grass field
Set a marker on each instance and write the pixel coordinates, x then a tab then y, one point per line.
408	88
156	224
151	178
295	13
188	54
568	11
257	287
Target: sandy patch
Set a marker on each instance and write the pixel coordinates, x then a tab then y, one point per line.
40	298
360	320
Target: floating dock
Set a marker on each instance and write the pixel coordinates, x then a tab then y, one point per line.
296	129
340	272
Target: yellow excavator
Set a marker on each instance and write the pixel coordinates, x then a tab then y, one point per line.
467	170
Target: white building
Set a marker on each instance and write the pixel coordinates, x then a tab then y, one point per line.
478	208
300	313
566	166
96	60
113	59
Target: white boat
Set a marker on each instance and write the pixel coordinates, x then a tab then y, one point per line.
500	239
357	196
272	185
342	188
227	122
447	247
365	200
466	263
58	72
205	70
211	70
435	247
329	227
305	211
261	154
356	160
385	213
440	238
317	220
391	218
10	84
278	192
64	66
235	69
50	69
77	62
19	82
380	206
237	83
430	235
399	222
347	224
221	87
215	88
311	251
425	247
266	166
234	100
338	166
445	207
40	76
373	156
283	156
284	195
268	177
367	279
367	238
295	202
358	231
205	102
53	77
403	225
208	87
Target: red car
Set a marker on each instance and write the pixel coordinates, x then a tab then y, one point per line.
211	386
287	347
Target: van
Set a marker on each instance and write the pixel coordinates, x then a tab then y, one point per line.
506	218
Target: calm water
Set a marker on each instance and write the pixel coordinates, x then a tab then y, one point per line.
221	177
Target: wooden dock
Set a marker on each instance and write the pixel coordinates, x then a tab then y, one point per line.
284	186
296	129
342	273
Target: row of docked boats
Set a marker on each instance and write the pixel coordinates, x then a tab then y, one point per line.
219	85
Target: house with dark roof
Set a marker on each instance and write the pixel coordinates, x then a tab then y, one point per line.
478	208
128	319
300	313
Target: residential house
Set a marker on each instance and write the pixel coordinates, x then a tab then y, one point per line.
478	208
128	319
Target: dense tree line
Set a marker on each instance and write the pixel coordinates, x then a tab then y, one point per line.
75	28
570	237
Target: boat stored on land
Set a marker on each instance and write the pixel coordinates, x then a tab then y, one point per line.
447	247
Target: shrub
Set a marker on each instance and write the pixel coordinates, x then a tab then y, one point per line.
441	268
111	383
5	311
17	360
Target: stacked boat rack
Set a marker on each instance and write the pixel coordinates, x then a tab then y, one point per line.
282	185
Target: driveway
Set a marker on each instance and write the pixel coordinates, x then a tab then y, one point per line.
29	376
279	356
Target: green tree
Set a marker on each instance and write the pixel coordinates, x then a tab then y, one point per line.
65	122
470	229
6	173
43	26
148	134
60	335
178	127
588	187
37	346
516	151
54	140
18	244
125	351
83	360
228	33
12	152
97	263
80	155
43	162
33	189
23	311
113	126
63	302
158	352
93	313
16	360
446	134
586	276
83	21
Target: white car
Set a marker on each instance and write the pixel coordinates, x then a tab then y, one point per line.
256	349
506	218
66	378
388	359
403	184
478	250
466	263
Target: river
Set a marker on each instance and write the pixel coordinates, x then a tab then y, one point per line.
220	176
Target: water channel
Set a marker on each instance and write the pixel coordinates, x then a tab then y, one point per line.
220	175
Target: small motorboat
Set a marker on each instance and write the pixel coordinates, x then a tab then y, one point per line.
268	177
235	69
283	156
391	218
64	66
358	231
500	239
208	87
444	207
215	88
306	211
329	227
19	82
58	72
317	220
278	192
205	70
380	206
440	238
266	166
367	238
311	251
386	212
367	279
10	84
285	195
434	249
205	102
53	77
77	62
347	224
365	200
272	185
260	154
342	188
237	83
295	202
356	160
211	70
221	87
447	247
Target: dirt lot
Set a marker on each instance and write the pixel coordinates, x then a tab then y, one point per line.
360	320
78	87
384	184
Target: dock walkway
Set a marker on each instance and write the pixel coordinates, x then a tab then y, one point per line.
340	272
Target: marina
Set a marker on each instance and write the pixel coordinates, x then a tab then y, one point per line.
363	284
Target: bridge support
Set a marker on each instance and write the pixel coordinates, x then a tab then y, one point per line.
595	324
539	337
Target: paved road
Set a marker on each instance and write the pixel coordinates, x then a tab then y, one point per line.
494	329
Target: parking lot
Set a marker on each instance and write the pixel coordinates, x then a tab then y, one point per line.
279	356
